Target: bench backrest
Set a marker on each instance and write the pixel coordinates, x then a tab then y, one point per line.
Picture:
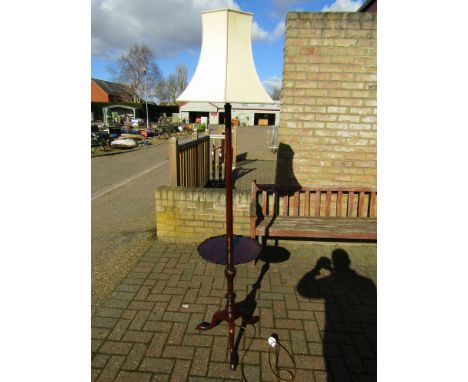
320	201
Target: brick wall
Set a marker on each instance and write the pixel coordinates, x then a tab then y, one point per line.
195	214
328	126
97	94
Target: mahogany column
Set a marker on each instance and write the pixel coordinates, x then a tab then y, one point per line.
230	270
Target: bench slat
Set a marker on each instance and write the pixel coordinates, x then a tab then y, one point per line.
373	209
350	203
328	204
285	204
296	204
338	203
307	203
318	196
361	205
332	227
264	202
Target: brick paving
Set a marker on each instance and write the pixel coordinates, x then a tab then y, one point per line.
145	330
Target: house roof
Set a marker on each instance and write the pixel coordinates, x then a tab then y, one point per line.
111	88
367	4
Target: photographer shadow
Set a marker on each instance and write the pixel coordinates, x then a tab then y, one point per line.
349	334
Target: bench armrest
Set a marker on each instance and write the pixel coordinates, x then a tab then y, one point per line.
253	208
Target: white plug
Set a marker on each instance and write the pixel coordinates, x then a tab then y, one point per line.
272	341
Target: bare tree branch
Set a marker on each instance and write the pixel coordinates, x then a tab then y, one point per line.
131	69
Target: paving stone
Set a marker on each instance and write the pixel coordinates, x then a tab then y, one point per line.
110	312
123	295
312	331
156	297
158	326
126	376
119	330
161	378
284	323
103	322
96	344
116	303
309	362
175	304
197	340
141	305
112	347
204	379
181	370
200	361
279	309
322	376
137	336
99	333
139	321
299	343
99	361
157	344
220	348
134	357
95	374
157	365
222	370
129	314
143	293
176	316
250	372
111	370
266	315
182	352
304	375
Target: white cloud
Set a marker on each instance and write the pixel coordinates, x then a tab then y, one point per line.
259	34
166	26
270	83
343	6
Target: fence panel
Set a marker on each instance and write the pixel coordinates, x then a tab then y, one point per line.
200	161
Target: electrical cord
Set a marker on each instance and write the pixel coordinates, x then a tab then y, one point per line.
273	342
244	378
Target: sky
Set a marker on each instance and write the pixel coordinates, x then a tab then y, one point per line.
172	30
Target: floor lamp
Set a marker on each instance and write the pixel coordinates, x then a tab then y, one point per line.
226	74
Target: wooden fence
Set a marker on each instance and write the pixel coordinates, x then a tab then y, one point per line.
198	162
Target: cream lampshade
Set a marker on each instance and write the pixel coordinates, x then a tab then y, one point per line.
226	70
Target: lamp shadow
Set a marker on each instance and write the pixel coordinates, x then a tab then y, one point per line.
284	174
349	333
268	255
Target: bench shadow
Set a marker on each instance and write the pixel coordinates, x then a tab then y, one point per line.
269	255
349	336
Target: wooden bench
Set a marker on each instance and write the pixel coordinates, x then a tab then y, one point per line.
313	212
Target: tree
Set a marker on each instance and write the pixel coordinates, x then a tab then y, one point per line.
276	93
167	90
133	67
181	78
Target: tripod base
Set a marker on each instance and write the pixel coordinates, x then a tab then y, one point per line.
223	315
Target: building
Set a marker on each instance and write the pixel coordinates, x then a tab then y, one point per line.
105	91
368	6
246	114
328	130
